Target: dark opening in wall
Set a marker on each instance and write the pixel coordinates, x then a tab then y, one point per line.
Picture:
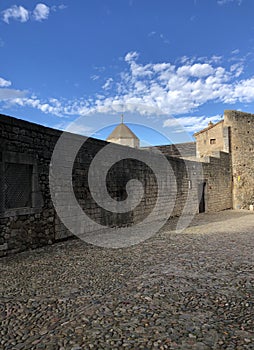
212	141
17	185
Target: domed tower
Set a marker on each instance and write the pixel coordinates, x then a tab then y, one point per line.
123	136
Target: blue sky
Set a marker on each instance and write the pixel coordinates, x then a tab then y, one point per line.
168	65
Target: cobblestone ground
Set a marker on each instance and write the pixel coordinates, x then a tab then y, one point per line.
189	290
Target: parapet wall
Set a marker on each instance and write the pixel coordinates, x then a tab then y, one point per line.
187	149
28	218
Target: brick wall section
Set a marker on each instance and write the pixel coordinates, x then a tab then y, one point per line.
28	228
242	152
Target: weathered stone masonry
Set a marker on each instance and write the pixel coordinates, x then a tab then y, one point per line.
27	216
235	135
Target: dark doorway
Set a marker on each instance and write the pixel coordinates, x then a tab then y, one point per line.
201	196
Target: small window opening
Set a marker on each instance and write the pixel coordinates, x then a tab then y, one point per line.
17	185
212	141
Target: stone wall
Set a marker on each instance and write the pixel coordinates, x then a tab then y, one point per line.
24	143
218	177
187	149
242	152
25	156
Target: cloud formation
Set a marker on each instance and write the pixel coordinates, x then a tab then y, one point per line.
107	84
160	89
10	95
176	89
224	2
18	13
40	13
4	83
190	124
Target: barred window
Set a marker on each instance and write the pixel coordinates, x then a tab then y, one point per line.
17	185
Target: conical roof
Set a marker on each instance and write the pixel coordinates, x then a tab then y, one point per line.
122	131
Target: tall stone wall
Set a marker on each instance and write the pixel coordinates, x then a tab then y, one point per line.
27	216
242	152
218	177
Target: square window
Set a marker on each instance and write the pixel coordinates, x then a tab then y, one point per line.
212	141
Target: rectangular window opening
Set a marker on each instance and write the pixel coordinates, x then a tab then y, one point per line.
17	185
212	141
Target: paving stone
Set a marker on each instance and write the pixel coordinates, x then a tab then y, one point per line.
188	290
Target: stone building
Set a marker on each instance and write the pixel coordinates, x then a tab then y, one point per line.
123	135
235	136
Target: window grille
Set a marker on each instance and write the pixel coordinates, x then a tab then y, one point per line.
1	191
17	185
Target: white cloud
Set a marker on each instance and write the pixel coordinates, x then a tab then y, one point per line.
190	123
95	77
41	12
196	70
130	56
237	69
4	83
11	94
224	2
151	33
59	7
160	36
243	92
176	89
52	106
18	13
159	89
108	83
62	7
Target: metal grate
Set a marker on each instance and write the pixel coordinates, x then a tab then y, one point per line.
1	189
17	185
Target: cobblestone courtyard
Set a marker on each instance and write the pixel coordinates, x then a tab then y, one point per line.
189	290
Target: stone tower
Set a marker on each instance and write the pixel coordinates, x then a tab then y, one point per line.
234	135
